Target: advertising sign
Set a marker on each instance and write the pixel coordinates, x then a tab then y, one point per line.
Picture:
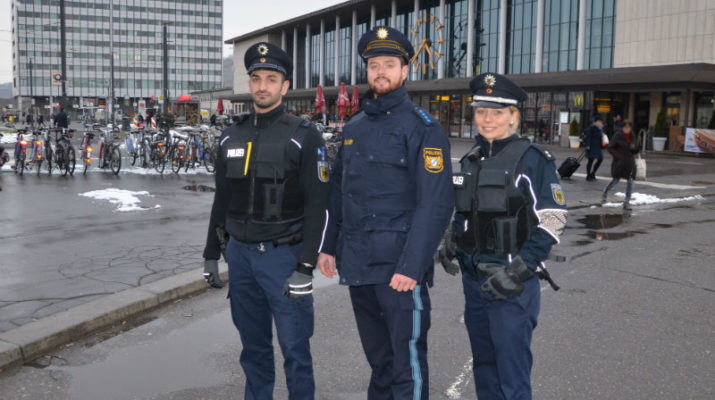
699	140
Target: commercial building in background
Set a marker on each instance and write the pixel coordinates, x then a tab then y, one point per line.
576	58
81	54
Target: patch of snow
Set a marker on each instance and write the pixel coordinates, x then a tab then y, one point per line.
126	199
638	199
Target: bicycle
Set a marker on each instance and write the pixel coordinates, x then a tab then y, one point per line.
109	153
86	150
37	146
177	151
20	152
202	151
139	148
65	157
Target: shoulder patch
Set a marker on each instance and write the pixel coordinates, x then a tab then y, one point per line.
424	115
544	152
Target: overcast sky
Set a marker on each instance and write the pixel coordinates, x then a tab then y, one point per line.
239	17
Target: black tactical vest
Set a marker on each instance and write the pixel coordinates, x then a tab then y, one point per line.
262	167
497	214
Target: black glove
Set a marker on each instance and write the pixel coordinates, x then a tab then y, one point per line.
300	283
507	281
446	255
489	269
211	274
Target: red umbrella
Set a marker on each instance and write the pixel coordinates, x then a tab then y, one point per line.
219	107
343	100
355	101
319	99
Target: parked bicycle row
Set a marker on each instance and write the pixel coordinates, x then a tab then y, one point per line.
49	148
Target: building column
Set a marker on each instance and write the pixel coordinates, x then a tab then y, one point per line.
321	54
393	15
295	57
372	16
440	61
538	60
336	72
581	49
416	15
470	38
284	40
501	60
307	56
353	51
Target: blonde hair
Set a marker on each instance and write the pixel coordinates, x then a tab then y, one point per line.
517	115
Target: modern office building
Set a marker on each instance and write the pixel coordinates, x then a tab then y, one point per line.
576	58
84	53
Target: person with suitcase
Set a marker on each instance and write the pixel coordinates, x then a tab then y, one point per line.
594	141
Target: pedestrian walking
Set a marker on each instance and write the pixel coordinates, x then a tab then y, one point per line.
594	141
40	121
62	120
391	200
622	147
271	200
29	120
510	211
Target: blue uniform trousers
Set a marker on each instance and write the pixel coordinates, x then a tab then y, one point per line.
255	285
500	334
393	330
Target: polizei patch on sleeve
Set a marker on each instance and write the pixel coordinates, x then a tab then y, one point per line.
558	194
434	162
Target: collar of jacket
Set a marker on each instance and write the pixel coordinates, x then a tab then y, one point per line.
385	102
496	145
263	120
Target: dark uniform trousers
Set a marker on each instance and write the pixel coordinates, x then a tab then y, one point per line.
256	293
500	333
393	329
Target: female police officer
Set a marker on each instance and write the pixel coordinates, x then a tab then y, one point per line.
510	210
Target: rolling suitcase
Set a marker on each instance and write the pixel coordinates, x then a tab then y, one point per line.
570	165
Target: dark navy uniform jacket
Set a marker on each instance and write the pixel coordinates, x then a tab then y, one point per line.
539	183
391	193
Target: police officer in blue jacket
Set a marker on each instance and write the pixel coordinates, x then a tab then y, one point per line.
271	200
390	202
510	211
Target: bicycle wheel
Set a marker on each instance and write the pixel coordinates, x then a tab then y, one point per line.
210	159
48	158
145	153
71	160
20	165
38	165
175	159
135	155
62	161
189	157
159	160
115	160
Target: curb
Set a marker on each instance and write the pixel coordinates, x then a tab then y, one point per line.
29	341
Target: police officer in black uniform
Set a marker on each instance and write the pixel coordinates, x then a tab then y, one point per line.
390	203
510	211
271	201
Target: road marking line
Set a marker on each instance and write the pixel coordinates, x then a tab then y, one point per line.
652	184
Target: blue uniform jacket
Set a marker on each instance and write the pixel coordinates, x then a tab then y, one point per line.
594	140
391	193
539	183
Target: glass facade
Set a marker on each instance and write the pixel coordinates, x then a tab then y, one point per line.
600	27
560	35
314	59
344	61
456	39
329	69
521	34
194	47
486	33
424	35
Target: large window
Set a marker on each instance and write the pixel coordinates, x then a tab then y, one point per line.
600	27
486	50
560	35
521	34
329	72
345	53
456	39
314	59
361	71
300	65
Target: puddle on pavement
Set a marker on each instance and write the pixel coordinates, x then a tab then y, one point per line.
611	235
199	188
602	221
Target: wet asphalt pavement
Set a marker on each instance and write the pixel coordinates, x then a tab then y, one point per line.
634	318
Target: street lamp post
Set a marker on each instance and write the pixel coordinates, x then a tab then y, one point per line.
32	98
165	83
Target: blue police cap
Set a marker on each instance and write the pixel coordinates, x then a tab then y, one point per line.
492	90
385	41
264	55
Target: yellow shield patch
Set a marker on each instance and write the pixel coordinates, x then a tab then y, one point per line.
323	171
434	162
558	194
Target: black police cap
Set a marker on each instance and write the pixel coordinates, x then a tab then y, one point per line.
492	90
385	41
264	55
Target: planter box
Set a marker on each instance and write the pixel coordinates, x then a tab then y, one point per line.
574	142
659	143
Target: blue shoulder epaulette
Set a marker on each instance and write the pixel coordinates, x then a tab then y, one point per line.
544	152
424	116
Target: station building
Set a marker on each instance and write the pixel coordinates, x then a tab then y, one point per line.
575	58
